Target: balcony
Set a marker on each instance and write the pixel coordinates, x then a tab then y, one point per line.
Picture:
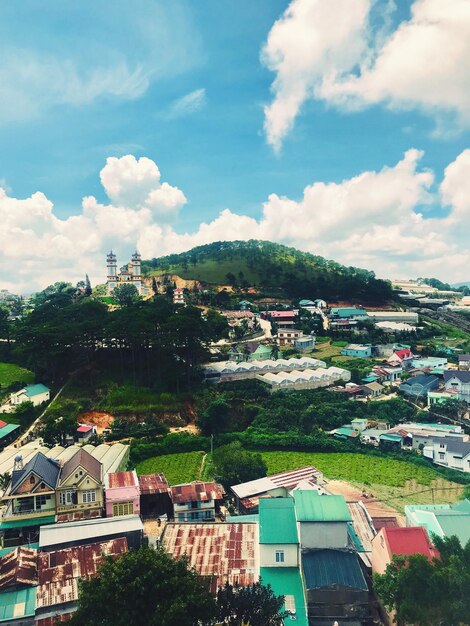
15	512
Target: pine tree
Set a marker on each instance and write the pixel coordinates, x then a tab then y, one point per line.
88	289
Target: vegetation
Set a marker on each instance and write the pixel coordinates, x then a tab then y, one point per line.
144	587
273	269
429	593
234	465
11	373
256	605
178	468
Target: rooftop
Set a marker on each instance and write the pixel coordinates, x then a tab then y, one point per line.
312	507
153	483
410	540
82	458
44	468
115	480
277	521
224	552
196	491
17	604
327	568
20	566
35	390
288	480
287	581
462	375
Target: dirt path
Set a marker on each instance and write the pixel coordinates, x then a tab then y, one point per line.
374	507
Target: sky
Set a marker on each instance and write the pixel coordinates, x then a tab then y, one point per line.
339	127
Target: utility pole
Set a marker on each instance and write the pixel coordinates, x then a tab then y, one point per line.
212	446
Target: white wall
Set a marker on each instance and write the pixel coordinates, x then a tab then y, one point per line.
267	554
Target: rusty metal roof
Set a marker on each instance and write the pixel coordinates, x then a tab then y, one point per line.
19	566
60	570
196	491
153	483
362	524
222	552
121	479
53	619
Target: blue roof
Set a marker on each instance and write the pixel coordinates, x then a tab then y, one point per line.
326	568
45	469
7	429
242	519
36	390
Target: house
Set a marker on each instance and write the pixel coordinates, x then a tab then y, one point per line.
80	493
322	520
288	337
359	423
305	343
354	313
278	538
372	390
29	499
250	351
357	350
443	520
390	542
441	397
85	432
244	305
283	319
8	433
464	361
450	452
196	501
419	386
458	380
247	495
387	374
155	498
37	394
401	358
122	494
431	362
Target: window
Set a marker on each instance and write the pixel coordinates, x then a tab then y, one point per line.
442	455
89	496
123	508
31	480
40	501
66	497
279	556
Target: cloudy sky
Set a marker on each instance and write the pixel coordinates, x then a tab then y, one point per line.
338	127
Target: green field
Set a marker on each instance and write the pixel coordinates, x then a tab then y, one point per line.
183	467
10	373
392	481
210	271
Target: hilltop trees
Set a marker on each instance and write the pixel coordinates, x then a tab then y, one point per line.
233	464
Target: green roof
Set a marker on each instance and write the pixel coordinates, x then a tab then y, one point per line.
454	523
310	506
34	521
7	429
242	519
35	390
286	581
348	311
17	604
277	521
346	432
390	437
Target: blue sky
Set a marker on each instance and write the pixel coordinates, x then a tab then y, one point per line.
194	87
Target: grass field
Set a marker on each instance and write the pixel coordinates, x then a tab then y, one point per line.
183	467
395	482
210	271
325	351
10	373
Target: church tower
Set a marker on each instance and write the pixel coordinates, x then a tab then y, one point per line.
136	272
112	272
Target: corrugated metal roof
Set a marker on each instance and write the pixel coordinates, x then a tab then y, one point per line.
329	568
7	429
196	491
19	567
57	534
60	570
288	480
115	480
310	506
277	521
153	483
225	552
362	524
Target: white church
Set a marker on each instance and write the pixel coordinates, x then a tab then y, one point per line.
130	273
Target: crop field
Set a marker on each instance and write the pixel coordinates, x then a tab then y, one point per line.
182	467
390	480
10	373
325	350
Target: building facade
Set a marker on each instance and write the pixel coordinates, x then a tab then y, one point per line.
130	274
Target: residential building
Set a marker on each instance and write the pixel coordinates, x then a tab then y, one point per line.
196	501
354	313
357	350
458	380
390	542
288	337
419	386
282	319
85	432
29	499
37	394
178	297
359	423
155	498
18	607
464	361
443	520
372	390
441	397
122	494
250	351
401	358
278	538
80	493
305	343
450	452
8	433
429	362
322	520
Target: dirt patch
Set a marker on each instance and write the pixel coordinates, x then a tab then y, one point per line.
374	507
101	420
189	428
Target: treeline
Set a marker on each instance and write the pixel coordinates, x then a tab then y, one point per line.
281	270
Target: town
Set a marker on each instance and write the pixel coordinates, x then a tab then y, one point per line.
304	444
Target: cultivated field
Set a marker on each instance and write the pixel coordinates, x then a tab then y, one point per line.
10	373
393	482
182	467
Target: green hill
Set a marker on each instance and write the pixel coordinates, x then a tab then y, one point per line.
273	269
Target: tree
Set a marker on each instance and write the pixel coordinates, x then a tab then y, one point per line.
125	294
214	418
144	587
88	289
255	605
235	465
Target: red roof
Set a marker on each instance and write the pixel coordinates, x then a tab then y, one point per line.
281	314
196	492
384	522
405	353
153	483
2	423
84	428
411	540
121	479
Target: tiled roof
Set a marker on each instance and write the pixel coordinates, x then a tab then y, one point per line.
196	492
153	483
84	459
410	540
462	375
19	567
60	570
223	552
45	469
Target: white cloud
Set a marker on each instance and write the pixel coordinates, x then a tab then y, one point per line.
375	220
422	64
190	103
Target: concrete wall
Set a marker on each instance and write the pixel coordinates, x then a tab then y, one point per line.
323	534
267	555
380	555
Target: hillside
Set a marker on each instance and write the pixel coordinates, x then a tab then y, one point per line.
273	269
